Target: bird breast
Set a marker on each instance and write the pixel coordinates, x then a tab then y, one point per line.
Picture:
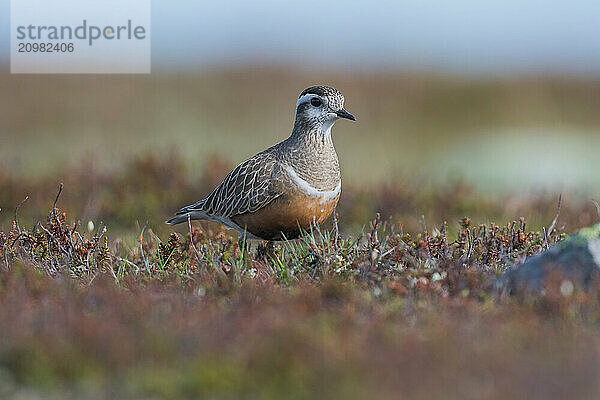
308	190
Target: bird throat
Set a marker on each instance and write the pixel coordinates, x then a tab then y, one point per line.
315	158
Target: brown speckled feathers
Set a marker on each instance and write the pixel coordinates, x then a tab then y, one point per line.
248	188
287	187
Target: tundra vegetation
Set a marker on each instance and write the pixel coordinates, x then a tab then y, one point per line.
396	298
404	304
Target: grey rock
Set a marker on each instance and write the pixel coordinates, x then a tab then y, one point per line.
576	259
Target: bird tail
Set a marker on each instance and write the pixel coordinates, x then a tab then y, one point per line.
178	219
185	214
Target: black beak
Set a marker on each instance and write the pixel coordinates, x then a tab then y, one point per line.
345	114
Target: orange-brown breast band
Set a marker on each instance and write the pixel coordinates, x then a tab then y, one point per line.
286	214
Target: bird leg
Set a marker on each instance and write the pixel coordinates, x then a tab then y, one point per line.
265	249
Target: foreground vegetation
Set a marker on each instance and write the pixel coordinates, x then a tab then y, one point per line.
401	306
155	339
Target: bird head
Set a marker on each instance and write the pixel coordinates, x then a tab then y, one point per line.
319	107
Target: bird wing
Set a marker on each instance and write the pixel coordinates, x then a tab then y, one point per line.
248	188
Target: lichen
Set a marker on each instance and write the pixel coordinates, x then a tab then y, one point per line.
590	233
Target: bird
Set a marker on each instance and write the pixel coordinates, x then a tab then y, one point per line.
285	189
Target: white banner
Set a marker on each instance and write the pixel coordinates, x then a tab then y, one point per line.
80	36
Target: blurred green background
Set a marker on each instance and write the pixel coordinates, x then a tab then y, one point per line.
500	134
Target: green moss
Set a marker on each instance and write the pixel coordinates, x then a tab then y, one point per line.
582	237
590	233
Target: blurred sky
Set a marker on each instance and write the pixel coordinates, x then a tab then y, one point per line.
460	36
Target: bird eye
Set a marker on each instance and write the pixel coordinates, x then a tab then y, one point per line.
315	101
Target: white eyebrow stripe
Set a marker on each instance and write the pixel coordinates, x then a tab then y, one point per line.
312	191
305	98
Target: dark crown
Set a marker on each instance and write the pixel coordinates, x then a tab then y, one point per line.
336	98
324	91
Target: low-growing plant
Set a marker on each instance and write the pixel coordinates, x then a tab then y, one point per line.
383	254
